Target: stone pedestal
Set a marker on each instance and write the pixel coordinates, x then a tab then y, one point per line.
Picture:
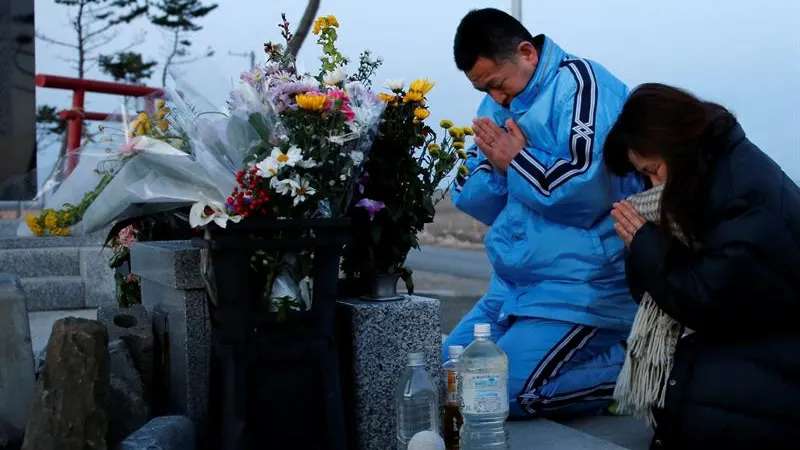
17	379
174	295
376	338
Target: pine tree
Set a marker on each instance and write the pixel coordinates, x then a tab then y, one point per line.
127	67
94	23
179	18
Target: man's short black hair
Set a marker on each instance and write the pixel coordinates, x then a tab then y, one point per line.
489	33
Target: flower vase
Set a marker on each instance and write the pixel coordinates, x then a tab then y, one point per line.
383	288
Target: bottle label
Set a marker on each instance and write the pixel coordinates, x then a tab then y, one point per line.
485	393
452	387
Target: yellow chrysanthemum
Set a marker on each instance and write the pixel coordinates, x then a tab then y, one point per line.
386	97
160	103
446	123
463	171
33	224
456	133
422	86
162	113
163	125
143	117
461	154
332	22
311	102
60	231
51	220
413	96
421	113
468	131
324	22
433	148
458	145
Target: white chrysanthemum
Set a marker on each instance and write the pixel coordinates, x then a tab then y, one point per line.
334	77
357	157
307	163
395	85
301	189
267	168
290	158
283	187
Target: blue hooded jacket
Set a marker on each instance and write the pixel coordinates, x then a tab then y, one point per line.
552	243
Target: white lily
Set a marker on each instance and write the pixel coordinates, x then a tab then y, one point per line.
357	157
334	77
203	213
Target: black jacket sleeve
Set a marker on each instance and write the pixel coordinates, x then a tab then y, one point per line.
736	278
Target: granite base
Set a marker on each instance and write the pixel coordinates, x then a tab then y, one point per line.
376	339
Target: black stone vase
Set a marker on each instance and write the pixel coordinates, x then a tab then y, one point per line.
275	383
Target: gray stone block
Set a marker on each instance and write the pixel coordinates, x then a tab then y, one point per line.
381	336
41	262
98	278
122	366
8	228
541	433
186	328
174	264
52	293
134	327
17	378
162	433
90	240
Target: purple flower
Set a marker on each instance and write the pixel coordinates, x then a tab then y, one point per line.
282	93
371	206
362	180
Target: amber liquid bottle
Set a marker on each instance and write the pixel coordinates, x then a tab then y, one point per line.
452	419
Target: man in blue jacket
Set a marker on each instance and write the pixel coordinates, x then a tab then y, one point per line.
558	302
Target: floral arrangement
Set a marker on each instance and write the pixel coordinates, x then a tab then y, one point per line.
403	180
305	139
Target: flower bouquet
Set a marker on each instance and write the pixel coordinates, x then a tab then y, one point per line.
408	171
303	141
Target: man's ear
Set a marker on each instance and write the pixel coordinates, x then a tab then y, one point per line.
527	51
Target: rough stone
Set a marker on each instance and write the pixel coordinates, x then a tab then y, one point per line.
10	436
100	286
376	338
17	376
133	326
128	411
162	433
70	409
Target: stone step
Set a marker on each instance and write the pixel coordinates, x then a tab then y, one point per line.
41	262
14	242
8	228
54	293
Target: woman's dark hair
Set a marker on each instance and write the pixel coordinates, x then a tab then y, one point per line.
673	124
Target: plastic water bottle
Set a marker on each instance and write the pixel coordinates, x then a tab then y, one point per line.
483	369
416	400
452	405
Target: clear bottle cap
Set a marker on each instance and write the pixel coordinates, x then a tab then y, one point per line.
483	330
416	359
454	351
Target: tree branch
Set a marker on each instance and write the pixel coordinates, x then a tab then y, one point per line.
303	28
53	41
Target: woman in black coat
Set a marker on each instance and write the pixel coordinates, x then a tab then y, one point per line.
731	275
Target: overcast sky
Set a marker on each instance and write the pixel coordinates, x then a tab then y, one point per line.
744	54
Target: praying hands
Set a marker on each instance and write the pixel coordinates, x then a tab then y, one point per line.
499	146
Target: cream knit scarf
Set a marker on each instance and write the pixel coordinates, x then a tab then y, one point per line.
641	386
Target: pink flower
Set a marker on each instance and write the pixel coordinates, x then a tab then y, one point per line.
130	147
341	98
126	236
372	206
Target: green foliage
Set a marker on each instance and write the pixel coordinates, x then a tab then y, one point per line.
128	67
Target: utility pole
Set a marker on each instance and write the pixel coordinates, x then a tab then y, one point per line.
516	9
251	55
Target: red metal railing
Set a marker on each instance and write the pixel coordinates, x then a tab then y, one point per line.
76	115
